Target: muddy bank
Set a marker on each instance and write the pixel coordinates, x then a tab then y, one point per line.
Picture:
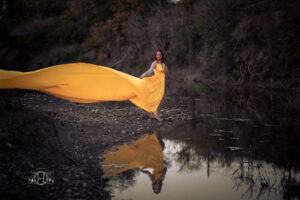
66	139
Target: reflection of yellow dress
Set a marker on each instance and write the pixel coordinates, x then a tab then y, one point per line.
88	83
144	153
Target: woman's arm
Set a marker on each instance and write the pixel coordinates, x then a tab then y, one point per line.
165	68
150	70
149	174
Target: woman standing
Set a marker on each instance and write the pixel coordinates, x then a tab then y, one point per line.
89	83
158	66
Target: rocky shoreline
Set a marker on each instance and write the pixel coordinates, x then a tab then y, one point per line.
41	131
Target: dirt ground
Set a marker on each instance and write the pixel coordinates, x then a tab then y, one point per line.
66	139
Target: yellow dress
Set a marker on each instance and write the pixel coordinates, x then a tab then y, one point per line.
144	153
88	83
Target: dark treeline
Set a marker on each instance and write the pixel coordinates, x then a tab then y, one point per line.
225	40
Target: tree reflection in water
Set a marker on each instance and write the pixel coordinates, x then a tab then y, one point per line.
249	136
261	166
264	161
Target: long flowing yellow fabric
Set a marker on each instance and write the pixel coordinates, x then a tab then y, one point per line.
89	83
146	152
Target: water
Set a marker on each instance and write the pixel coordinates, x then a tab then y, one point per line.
224	143
240	144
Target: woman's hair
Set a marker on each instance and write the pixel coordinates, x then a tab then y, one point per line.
162	56
156	186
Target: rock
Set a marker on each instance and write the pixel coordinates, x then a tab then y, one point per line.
170	119
69	190
65	179
234	148
189	117
76	194
215	135
10	145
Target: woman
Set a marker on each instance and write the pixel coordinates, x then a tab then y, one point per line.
88	83
158	60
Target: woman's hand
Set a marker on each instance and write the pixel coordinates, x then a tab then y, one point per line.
150	70
165	68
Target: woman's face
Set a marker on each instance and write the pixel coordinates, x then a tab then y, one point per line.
158	56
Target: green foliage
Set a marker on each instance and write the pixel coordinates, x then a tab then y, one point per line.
68	57
187	4
249	41
140	66
45	8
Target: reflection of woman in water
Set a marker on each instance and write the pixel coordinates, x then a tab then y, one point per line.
88	83
146	152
